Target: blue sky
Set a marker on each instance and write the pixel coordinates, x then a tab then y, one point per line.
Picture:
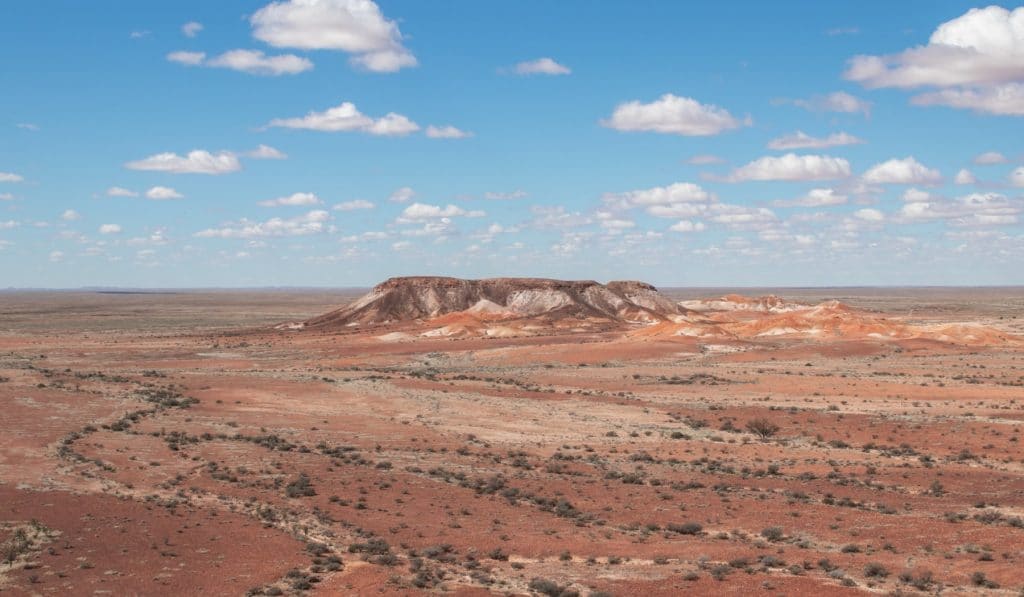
339	142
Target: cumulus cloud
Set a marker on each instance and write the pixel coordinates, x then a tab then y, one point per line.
253	62
314	222
191	29
446	132
814	198
687	226
792	167
187	58
671	114
837	101
266	152
295	199
741	216
257	63
869	215
121	192
902	171
198	161
547	217
110	229
801	140
354	26
402	195
975	60
347	118
163	193
1017	177
973	210
422	211
990	157
541	66
70	215
6	197
353	205
10	177
965	176
7	225
609	221
1006	100
56	256
680	192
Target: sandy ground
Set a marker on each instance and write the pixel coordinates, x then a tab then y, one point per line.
178	444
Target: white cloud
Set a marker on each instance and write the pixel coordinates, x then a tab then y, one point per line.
163	193
1017	177
704	159
1006	100
792	167
253	62
973	210
671	114
990	157
609	221
347	118
541	66
8	224
680	192
447	132
965	176
266	152
401	245
110	229
422	211
121	192
196	162
556	217
256	62
314	222
837	101
814	198
976	60
741	216
191	29
687	226
27	126
801	140
10	177
502	196
402	194
187	58
353	205
354	26
70	215
912	195
295	199
56	256
902	171
869	215
6	197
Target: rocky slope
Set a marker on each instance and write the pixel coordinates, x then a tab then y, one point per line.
428	297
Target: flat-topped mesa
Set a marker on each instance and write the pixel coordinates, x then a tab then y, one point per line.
425	297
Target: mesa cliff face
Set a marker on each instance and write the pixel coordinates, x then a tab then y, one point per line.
427	297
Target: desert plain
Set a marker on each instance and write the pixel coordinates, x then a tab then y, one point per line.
196	443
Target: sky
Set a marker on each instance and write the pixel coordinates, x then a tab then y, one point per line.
336	143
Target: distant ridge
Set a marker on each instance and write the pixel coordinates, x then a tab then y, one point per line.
425	297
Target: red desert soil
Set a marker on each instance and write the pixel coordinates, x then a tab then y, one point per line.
557	439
